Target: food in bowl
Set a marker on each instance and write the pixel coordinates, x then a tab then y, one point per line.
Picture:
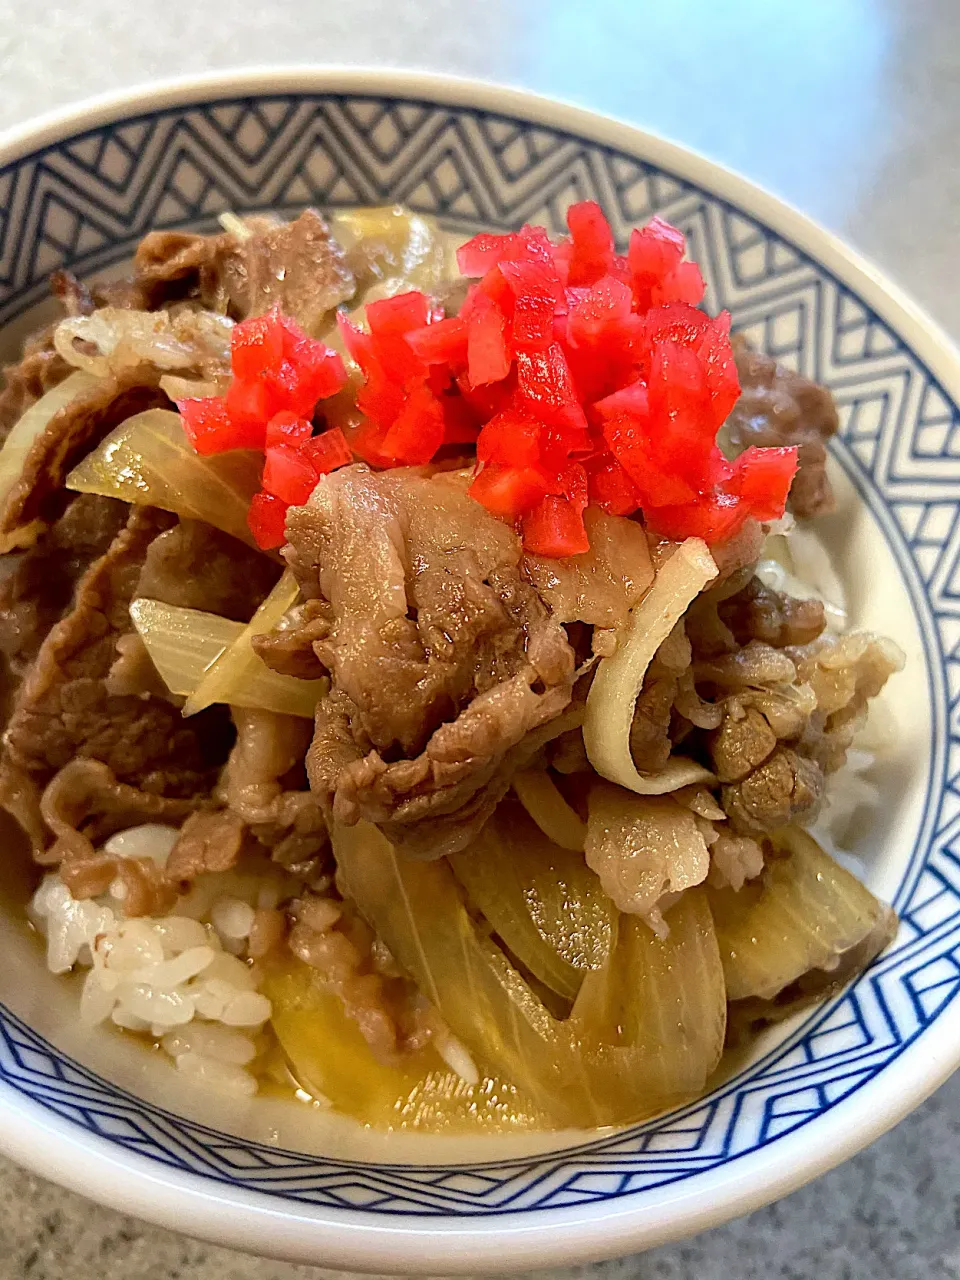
411	703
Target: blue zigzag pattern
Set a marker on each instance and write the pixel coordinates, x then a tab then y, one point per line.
84	203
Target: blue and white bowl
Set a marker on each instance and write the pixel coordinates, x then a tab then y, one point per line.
78	190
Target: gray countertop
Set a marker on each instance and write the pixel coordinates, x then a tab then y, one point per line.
850	109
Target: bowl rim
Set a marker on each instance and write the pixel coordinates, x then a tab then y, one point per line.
236	1217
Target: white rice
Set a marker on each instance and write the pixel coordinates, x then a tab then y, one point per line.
178	979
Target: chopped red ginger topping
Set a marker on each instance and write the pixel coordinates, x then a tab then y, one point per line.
583	376
279	375
587	376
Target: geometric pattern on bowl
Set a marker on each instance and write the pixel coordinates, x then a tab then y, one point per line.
84	202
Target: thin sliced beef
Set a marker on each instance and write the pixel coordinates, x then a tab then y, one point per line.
208	841
436	804
72	294
295	264
84	803
192	566
290	648
195	566
778	407
38	371
38	587
146	891
63	710
329	937
730	614
38	498
758	613
442	655
40	367
263	800
264	786
603	584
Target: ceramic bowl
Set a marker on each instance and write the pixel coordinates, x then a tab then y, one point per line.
106	1118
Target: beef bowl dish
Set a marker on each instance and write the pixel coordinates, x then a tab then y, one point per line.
429	696
477	637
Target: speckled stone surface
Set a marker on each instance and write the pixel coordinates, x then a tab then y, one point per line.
850	109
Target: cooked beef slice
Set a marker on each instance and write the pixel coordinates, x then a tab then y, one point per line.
41	368
442	656
329	936
208	841
435	804
37	587
72	294
63	710
295	264
84	803
730	614
195	566
38	371
264	785
778	407
750	686
289	649
788	717
38	497
758	613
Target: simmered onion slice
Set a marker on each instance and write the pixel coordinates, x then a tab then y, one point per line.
149	460
185	643
646	1030
803	913
543	900
619	678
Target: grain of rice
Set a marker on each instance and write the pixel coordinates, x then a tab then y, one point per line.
247	1009
131	946
171	973
232	918
166	1008
221	1076
228	970
180	933
457	1057
97	1002
210	1040
150	840
127	1020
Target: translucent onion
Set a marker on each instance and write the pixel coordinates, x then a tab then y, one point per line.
185	643
643	847
661	1002
234	226
230	673
543	901
32	423
331	1060
619	678
391	250
175	387
803	913
122	339
541	798
149	460
647	1028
